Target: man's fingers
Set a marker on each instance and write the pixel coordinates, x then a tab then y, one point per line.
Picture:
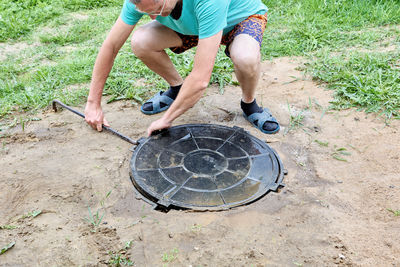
105	122
149	131
91	124
99	127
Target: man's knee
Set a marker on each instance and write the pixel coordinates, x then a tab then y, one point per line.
245	61
140	42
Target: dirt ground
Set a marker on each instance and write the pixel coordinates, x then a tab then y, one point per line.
331	212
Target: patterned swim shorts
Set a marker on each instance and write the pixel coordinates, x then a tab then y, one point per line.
253	26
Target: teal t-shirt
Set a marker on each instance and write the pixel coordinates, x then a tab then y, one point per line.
203	18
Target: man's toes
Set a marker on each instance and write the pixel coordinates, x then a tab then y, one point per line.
148	106
270	126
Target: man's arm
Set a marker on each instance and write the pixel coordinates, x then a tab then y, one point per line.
194	85
104	62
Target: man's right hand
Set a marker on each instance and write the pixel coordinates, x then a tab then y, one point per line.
94	116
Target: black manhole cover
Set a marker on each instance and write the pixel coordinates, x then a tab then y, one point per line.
204	167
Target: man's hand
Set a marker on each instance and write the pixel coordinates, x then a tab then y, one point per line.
94	116
159	124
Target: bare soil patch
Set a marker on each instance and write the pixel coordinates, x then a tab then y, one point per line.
7	49
331	212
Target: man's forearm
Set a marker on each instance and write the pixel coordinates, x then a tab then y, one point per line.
105	59
197	81
101	70
190	93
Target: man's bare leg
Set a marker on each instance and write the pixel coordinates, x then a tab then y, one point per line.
246	57
149	43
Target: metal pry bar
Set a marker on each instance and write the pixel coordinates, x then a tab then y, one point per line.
55	102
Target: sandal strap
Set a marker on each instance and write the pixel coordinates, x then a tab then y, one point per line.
157	99
261	118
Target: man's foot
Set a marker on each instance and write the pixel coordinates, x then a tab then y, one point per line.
161	101
259	117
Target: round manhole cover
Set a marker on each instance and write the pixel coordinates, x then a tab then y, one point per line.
204	167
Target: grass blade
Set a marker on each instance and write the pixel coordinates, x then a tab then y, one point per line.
6	248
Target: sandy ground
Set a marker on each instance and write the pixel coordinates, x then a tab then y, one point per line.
331	212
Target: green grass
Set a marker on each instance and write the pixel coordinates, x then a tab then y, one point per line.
169	257
79	28
321	143
8	227
32	87
119	258
7	247
95	218
295	120
369	80
325	30
32	214
21	17
396	213
61	40
298	27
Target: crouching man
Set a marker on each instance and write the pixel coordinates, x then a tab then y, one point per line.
179	25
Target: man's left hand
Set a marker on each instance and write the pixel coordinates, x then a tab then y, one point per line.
159	124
